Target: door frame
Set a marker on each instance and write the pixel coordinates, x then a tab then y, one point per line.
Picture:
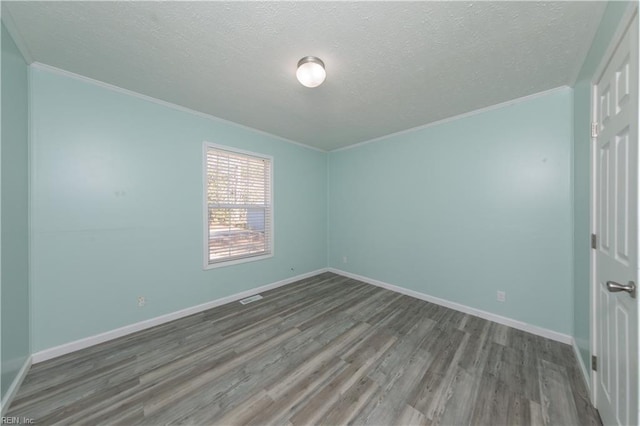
627	18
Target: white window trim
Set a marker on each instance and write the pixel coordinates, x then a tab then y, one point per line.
205	209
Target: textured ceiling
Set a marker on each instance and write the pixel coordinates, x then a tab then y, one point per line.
390	65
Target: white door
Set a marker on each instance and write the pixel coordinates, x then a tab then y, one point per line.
616	226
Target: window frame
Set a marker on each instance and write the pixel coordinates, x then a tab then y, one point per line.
205	208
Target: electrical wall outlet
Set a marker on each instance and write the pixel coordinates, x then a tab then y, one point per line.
502	296
141	301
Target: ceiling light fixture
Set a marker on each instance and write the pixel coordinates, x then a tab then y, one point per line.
311	72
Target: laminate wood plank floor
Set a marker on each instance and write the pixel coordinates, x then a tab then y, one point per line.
324	350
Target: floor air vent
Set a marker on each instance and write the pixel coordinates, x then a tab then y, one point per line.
251	299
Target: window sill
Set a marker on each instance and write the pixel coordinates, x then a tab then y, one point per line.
236	261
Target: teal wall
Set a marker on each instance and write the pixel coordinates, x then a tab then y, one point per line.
15	225
457	210
582	175
117	209
462	209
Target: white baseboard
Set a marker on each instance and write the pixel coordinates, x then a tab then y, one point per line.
534	329
142	325
13	389
583	368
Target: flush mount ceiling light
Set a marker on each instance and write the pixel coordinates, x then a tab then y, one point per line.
311	71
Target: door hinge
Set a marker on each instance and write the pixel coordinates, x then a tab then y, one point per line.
594	241
594	129
594	363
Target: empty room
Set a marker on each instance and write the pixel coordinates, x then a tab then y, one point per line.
306	213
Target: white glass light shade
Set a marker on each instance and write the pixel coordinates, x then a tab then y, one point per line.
311	72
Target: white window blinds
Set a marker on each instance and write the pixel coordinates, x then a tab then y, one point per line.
238	200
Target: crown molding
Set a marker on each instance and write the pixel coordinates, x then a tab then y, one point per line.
12	29
458	117
114	88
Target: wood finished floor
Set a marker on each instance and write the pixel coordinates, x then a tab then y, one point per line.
325	350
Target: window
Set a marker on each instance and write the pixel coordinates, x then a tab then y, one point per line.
237	199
